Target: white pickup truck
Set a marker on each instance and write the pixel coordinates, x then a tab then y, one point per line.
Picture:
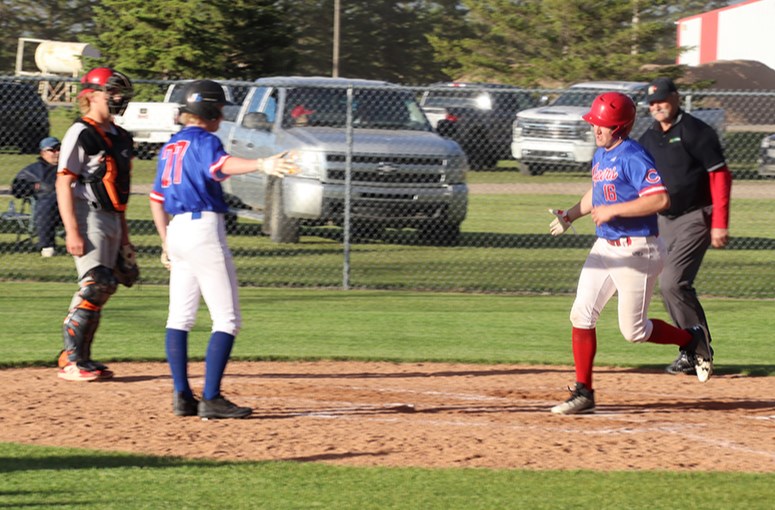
556	137
153	123
402	173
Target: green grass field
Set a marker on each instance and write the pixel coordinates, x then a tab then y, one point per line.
504	238
291	324
40	477
504	248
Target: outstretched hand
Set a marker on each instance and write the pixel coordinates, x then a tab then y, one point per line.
280	164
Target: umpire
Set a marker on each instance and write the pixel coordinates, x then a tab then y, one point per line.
690	159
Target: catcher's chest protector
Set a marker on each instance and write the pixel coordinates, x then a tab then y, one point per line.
112	181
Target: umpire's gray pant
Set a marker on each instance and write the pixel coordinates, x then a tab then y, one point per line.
686	238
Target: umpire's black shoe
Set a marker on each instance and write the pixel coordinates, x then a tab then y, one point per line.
219	407
681	365
183	405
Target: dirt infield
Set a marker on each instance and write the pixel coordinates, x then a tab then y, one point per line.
419	414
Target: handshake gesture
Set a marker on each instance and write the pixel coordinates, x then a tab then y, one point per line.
279	165
561	222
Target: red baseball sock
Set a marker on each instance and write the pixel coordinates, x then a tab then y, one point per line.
664	333
584	349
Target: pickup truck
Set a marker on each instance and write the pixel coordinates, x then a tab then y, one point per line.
478	116
402	174
153	123
556	137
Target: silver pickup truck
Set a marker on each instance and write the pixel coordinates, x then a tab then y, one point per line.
556	137
402	173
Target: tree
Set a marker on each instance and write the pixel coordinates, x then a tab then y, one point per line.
556	42
184	42
222	39
260	38
380	39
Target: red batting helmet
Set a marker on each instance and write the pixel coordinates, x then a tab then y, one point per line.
118	86
613	110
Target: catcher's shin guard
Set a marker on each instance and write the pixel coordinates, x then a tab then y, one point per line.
81	322
79	328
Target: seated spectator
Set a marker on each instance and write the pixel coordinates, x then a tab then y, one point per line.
300	115
38	180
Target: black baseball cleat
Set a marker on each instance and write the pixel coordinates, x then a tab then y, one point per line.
184	406
219	407
681	365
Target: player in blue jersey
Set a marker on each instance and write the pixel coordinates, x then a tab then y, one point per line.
187	187
627	257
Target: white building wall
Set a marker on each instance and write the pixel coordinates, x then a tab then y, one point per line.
747	33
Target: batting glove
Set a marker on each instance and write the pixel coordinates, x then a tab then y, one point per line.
277	165
561	222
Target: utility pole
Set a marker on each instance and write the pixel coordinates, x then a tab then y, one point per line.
634	49
335	66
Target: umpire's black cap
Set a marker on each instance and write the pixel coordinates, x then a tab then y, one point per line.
660	89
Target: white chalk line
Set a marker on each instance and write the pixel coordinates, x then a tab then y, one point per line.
680	430
348	411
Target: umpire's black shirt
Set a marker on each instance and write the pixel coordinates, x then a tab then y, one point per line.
684	155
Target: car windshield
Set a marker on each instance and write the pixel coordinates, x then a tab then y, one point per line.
372	109
176	96
455	100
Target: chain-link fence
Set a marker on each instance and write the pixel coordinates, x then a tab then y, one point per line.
428	188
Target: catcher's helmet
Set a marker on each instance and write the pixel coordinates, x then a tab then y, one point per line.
115	83
204	98
613	110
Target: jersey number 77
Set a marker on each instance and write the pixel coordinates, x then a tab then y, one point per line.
172	156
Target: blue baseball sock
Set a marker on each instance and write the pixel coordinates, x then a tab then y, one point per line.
176	343
218	353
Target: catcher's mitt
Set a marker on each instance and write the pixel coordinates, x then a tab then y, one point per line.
126	270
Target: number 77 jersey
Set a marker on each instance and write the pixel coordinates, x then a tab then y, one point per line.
621	175
188	173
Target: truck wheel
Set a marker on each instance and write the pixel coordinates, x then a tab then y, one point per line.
282	229
440	233
482	161
147	150
528	169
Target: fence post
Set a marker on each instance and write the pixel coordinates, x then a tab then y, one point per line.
348	159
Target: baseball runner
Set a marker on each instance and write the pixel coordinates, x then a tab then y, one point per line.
92	186
190	169
625	197
691	162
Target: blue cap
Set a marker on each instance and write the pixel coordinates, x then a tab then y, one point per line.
49	142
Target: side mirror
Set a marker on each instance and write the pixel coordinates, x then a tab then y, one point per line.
257	120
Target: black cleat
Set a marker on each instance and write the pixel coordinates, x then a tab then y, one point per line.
183	406
681	365
219	407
